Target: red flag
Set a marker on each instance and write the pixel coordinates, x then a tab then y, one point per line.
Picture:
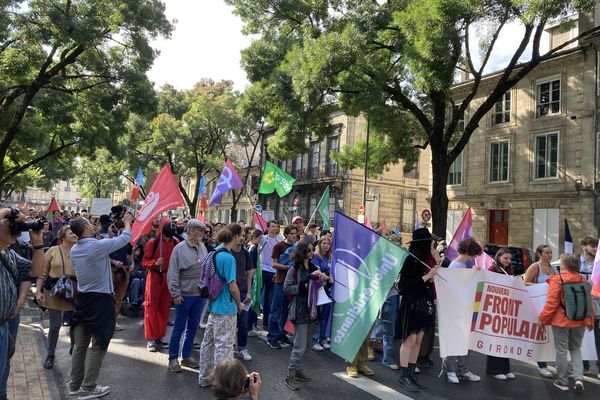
164	195
203	203
53	206
367	223
135	193
259	221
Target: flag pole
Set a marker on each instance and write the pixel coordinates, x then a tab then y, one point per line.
311	218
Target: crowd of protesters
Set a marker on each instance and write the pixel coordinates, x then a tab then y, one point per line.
87	274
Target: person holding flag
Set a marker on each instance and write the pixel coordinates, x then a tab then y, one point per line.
589	247
416	309
265	250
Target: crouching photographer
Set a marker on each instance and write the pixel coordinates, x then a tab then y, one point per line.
15	278
231	381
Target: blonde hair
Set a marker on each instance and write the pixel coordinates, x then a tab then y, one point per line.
62	232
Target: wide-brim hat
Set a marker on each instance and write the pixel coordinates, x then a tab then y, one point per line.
423	234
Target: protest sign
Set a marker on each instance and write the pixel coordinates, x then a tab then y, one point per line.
100	206
493	314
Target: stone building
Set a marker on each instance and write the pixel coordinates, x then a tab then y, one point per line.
532	163
394	197
67	196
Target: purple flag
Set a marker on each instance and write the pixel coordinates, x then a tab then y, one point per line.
465	231
229	180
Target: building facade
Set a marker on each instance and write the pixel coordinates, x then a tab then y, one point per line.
532	163
394	198
67	196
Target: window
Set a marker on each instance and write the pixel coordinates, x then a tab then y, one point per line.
408	212
460	126
501	111
499	161
548	98
546	156
315	150
313	203
455	173
298	166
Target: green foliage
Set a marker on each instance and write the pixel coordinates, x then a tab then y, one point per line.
100	175
71	72
191	132
394	61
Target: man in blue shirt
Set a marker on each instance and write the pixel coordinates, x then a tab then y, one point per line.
220	333
94	316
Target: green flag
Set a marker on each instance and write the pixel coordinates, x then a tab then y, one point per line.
323	208
257	287
274	178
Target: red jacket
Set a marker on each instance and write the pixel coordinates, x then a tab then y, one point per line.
150	257
553	313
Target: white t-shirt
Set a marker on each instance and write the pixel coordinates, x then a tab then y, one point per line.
457	264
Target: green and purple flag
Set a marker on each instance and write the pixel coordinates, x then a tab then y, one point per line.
365	266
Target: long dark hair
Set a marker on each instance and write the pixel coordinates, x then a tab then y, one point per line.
497	264
539	250
300	252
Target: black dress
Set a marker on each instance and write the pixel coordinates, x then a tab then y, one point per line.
417	299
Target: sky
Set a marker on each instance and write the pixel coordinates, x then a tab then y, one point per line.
207	41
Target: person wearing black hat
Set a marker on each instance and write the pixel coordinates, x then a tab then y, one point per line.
416	309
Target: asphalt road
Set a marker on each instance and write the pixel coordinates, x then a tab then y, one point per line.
134	373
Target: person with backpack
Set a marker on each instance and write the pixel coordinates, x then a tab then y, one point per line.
539	272
157	299
568	310
183	276
224	306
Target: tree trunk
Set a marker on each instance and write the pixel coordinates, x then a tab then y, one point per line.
193	205
439	196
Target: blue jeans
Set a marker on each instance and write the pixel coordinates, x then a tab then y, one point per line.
279	314
135	291
389	314
242	325
12	328
320	335
267	296
187	316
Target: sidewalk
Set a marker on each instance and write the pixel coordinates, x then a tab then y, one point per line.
28	379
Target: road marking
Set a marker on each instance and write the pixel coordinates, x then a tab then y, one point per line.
372	387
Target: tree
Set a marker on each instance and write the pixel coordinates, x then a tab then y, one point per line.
395	61
100	175
72	71
190	133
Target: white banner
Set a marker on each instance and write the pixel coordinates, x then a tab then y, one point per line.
495	314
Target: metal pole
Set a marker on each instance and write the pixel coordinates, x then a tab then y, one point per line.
364	198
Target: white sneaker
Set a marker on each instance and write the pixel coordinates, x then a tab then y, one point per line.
470	377
502	377
452	378
326	346
245	355
510	375
545	372
252	333
317	347
99	391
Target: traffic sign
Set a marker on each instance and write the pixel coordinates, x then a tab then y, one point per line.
78	201
258	208
426	215
296	202
361	209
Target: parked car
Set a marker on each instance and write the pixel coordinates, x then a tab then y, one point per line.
522	257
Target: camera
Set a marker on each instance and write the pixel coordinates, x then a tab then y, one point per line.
117	213
17	227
